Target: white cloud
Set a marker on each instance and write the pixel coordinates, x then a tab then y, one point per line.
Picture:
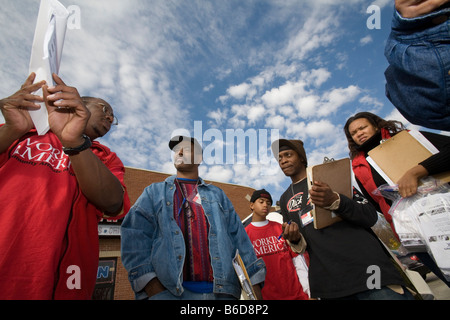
371	101
335	98
307	106
322	128
241	91
208	87
219	116
275	122
286	111
256	113
284	94
295	129
366	40
157	63
218	173
337	150
319	30
316	77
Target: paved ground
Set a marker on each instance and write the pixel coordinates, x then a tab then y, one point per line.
439	288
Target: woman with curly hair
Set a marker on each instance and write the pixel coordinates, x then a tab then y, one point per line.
365	131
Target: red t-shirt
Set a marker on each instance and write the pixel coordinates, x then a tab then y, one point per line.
281	281
49	234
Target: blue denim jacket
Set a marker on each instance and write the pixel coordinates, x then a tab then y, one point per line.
418	76
153	244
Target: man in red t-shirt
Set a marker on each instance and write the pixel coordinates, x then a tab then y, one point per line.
282	281
54	189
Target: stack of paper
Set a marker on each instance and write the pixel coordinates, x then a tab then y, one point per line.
241	272
46	52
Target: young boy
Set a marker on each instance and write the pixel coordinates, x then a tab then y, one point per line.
282	282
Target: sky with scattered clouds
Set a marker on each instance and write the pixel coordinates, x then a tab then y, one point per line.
224	71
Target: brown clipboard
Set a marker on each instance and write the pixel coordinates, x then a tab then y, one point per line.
337	174
400	153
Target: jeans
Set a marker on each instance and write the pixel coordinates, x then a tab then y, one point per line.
418	75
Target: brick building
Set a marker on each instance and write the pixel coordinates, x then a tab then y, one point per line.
112	278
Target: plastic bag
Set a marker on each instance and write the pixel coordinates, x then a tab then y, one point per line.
422	221
427	185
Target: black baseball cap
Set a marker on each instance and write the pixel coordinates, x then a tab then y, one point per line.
177	139
261	194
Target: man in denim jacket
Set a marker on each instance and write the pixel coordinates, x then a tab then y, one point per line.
179	238
418	52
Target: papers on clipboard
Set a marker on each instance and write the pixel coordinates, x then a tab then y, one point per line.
241	272
46	52
400	153
338	175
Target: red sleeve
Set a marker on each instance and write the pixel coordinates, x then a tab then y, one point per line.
115	165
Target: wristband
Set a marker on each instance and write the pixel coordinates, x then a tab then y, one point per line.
335	205
73	151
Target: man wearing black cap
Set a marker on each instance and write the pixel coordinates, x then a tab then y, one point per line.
341	255
181	235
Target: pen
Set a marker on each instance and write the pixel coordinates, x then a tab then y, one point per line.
282	232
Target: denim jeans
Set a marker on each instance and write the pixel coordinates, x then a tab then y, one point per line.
418	75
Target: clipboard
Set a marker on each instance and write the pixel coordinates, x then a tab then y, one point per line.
241	272
395	156
338	175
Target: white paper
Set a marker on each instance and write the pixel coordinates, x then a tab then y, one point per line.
424	141
245	282
46	52
434	222
407	228
302	272
50	47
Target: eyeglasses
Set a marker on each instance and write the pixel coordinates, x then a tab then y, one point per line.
110	114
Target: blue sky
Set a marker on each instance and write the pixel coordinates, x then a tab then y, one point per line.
298	68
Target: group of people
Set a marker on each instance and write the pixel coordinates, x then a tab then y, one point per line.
180	237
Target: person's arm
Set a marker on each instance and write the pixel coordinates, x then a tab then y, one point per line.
437	163
139	230
417	8
15	111
97	182
408	183
68	117
255	266
293	237
357	210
